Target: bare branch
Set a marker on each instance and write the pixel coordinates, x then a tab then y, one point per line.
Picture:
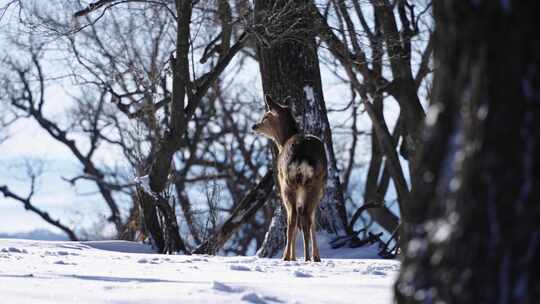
44	215
424	69
253	200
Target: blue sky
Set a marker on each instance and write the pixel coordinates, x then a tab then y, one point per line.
30	146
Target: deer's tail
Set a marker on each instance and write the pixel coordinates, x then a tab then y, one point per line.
300	172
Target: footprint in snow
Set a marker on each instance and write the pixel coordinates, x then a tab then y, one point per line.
273	299
186	261
330	264
56	253
151	261
61	262
224	287
243	261
76	247
240	268
14	250
302	274
375	270
252	297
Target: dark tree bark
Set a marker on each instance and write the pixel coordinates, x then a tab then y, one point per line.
150	219
289	67
398	46
375	188
473	234
162	225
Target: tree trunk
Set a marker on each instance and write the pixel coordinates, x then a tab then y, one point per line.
162	225
399	53
375	189
275	239
289	67
245	210
473	234
167	240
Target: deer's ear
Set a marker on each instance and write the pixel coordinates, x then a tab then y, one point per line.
286	102
272	105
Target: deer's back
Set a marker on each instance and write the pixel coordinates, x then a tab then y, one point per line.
302	161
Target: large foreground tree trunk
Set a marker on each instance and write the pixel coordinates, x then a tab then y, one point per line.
289	67
474	233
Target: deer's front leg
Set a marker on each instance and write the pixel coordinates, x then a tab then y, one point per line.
288	198
290	253
306	227
314	247
313	227
292	227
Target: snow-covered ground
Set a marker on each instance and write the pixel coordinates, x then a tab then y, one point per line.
125	272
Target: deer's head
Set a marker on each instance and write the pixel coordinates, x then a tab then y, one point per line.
277	122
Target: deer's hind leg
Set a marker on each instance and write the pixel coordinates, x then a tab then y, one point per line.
313	228
306	220
313	234
307	237
304	223
310	229
289	254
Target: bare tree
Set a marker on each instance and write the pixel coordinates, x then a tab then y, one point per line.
133	111
290	73
25	91
180	106
378	56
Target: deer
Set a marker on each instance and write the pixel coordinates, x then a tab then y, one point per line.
301	175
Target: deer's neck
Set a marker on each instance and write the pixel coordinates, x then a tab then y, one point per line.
287	131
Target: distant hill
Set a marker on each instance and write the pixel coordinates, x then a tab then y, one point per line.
37	234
